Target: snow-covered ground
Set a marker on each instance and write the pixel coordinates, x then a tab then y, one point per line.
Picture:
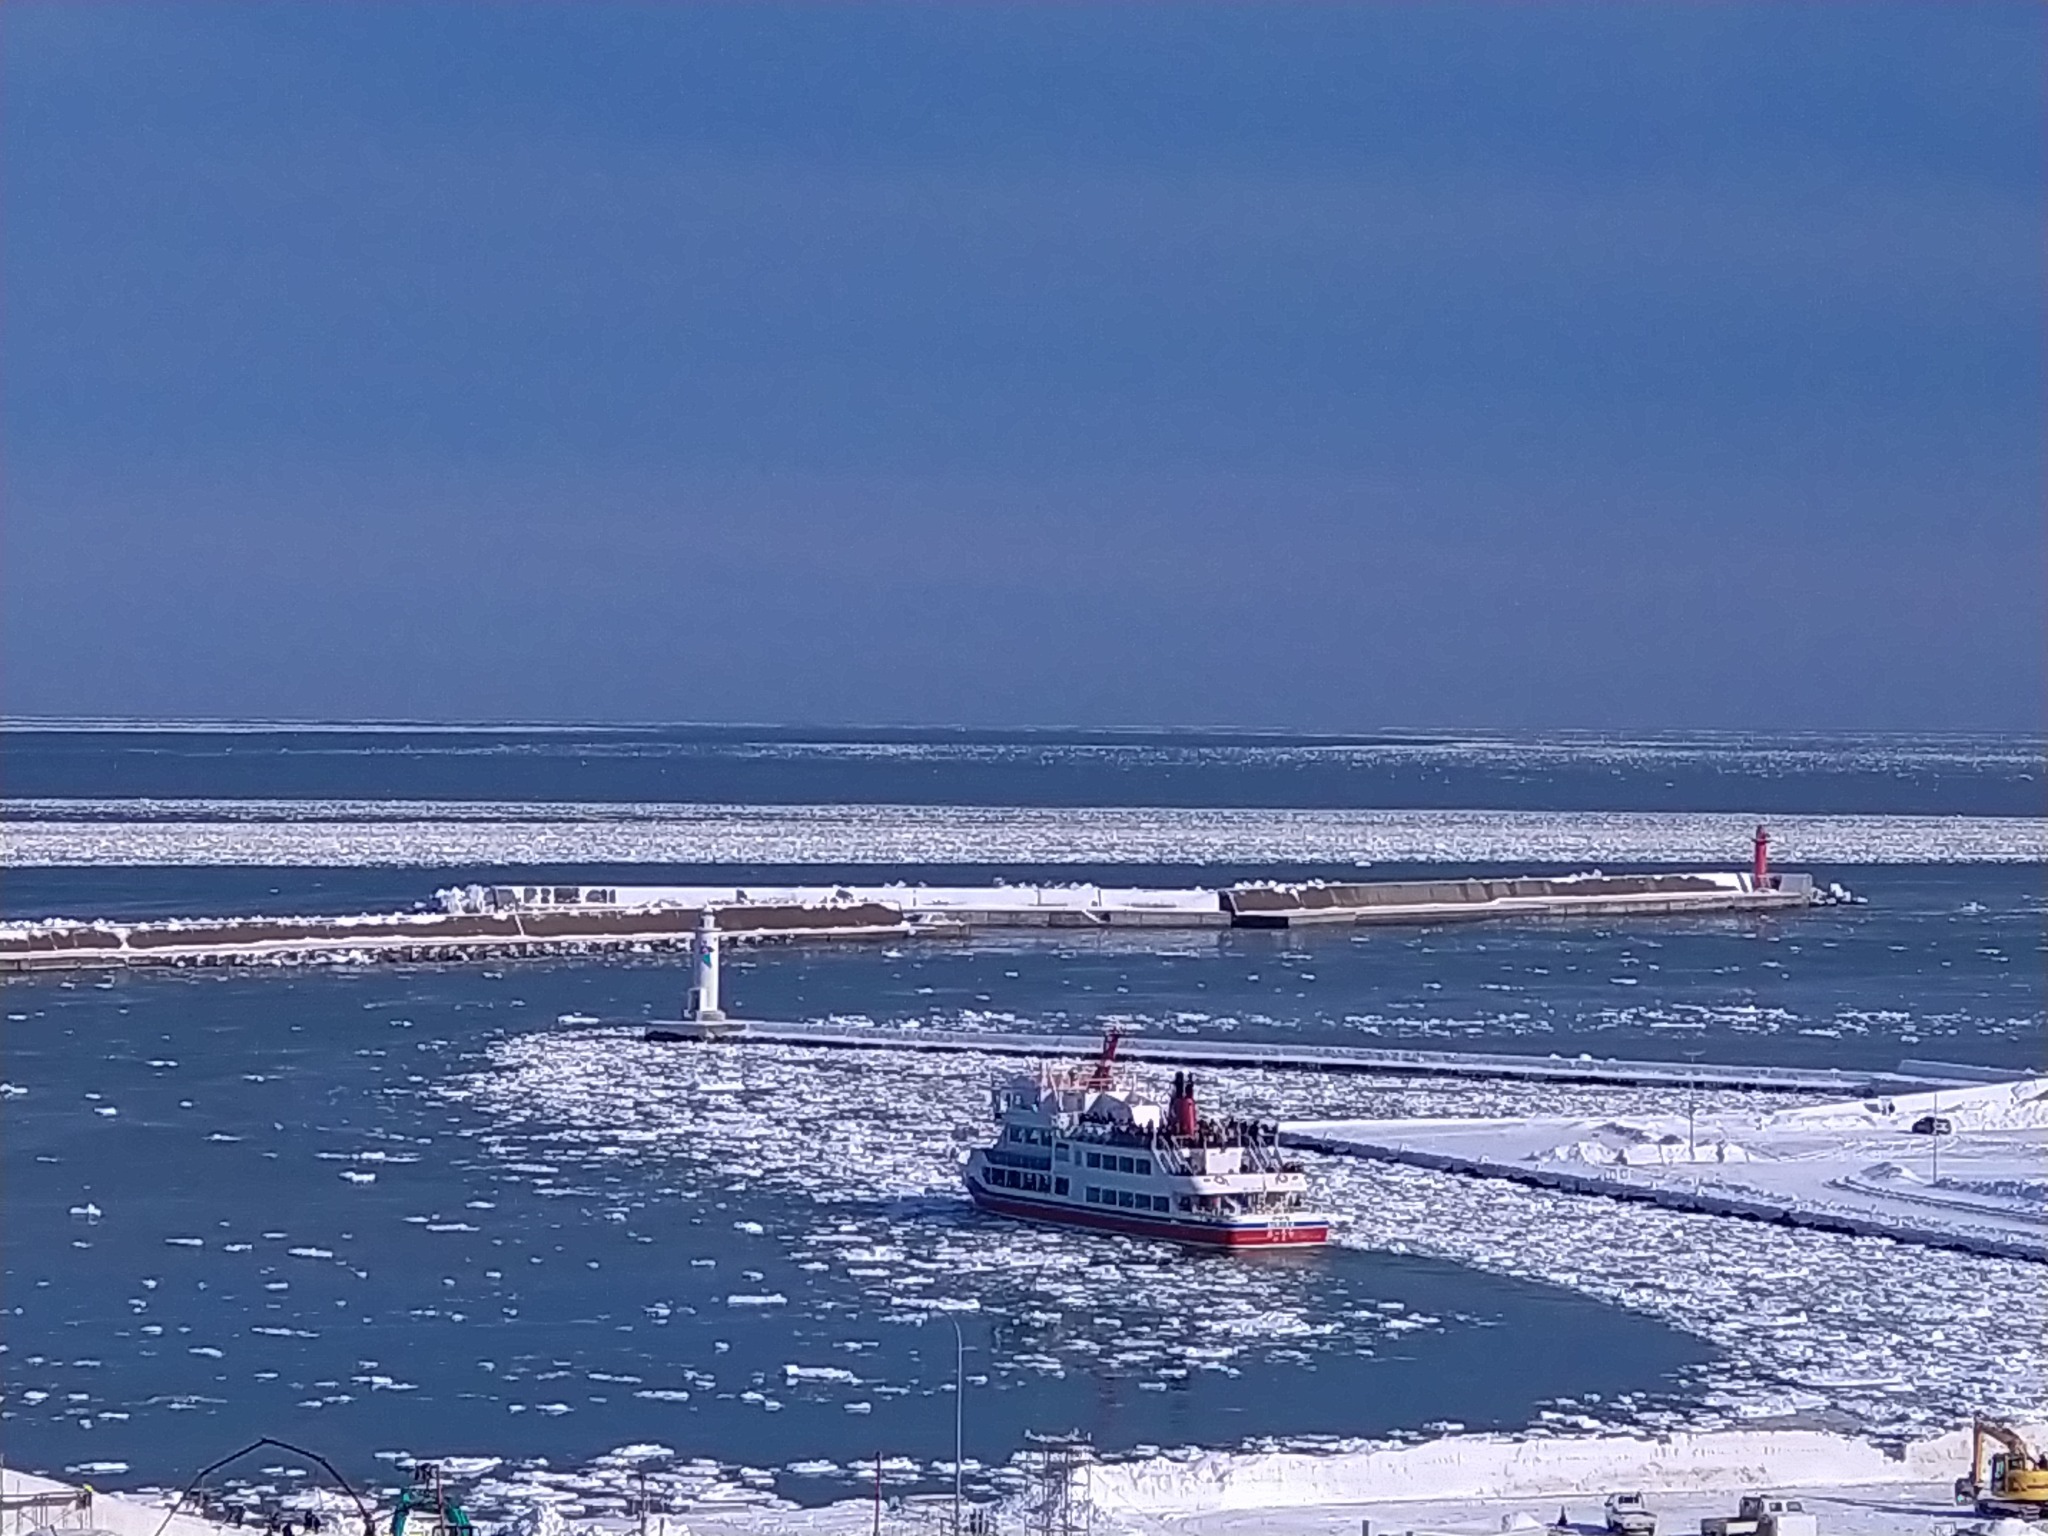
1477	1467
1463	1485
923	900
112	1514
1457	1485
1908	1509
1876	1509
1858	1166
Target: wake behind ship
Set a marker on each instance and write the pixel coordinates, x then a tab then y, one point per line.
1077	1146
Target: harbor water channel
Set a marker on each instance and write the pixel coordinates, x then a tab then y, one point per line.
465	1211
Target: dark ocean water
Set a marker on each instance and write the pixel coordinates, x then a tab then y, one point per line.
441	1210
1839	775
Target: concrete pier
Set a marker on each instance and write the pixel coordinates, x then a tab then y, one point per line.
1251	904
1181	1051
1809	1185
417	936
1444	901
497	921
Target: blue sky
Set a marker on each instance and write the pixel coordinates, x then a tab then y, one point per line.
1515	366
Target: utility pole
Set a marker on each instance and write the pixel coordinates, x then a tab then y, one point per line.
959	1412
1691	1097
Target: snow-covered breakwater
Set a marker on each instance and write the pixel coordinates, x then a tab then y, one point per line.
1247	904
546	918
62	944
1871	1167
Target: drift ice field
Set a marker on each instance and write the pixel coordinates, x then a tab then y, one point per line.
467	1212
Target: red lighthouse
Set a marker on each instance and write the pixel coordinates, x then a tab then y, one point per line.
1760	867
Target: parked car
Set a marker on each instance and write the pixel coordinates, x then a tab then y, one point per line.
1763	1514
1629	1515
1934	1125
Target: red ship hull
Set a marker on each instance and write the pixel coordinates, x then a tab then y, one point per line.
1305	1234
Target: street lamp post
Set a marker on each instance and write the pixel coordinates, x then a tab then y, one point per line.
959	1413
1692	1088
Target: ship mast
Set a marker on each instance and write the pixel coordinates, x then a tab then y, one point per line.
1104	1073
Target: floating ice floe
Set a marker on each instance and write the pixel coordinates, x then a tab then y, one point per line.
819	1373
577	1102
437	833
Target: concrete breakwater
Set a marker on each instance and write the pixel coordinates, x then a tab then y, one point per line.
1776	1178
478	921
1364	1061
1250	904
416	936
1410	901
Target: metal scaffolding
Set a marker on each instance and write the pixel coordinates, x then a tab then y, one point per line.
1058	1499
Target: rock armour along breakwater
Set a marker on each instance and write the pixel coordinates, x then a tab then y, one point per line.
413	936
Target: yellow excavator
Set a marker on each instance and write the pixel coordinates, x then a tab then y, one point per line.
2016	1481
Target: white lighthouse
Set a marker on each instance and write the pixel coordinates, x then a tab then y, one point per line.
704	995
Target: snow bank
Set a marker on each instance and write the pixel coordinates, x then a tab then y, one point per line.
1850	1167
104	1513
1483	1467
2007	1106
1637	1144
924	900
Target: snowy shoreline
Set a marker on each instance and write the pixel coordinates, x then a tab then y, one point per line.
1437	1484
1499	1467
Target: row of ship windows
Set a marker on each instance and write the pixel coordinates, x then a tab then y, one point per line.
1046	1184
1130	1199
1036	1183
1109	1162
1115	1163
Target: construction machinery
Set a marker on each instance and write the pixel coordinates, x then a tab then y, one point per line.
427	1498
2012	1481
